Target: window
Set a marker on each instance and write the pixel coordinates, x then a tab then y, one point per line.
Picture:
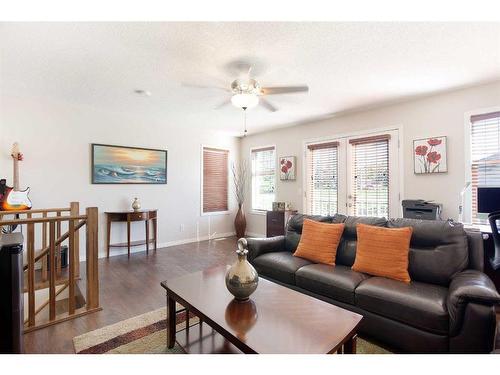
263	178
370	177
485	157
322	175
215	178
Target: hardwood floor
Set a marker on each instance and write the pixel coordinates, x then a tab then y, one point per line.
131	286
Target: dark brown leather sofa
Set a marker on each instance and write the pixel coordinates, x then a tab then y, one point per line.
449	306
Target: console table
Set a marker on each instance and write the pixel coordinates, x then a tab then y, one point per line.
128	217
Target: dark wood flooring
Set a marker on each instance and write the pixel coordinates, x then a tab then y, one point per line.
130	287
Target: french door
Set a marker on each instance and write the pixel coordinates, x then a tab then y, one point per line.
354	175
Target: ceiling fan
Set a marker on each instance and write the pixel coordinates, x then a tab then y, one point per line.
247	92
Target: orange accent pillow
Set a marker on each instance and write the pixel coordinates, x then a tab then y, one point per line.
383	251
319	241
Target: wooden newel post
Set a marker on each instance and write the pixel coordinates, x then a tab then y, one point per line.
74	210
92	258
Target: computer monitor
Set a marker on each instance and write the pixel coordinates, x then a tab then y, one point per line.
488	199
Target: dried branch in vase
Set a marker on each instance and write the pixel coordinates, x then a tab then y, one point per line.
240	175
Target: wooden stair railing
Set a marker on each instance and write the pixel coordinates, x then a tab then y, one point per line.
49	256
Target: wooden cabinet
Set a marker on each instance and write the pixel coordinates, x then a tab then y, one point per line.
276	222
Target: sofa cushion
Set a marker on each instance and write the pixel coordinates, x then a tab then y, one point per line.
280	266
438	249
346	252
319	242
336	282
296	222
417	304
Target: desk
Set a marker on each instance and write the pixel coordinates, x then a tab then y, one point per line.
128	217
489	251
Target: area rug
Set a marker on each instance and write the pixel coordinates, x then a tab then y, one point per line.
147	334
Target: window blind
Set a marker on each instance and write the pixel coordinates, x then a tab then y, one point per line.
215	179
322	174
370	185
485	156
263	178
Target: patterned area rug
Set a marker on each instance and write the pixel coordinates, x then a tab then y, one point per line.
147	334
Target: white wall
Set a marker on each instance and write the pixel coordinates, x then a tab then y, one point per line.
438	115
55	137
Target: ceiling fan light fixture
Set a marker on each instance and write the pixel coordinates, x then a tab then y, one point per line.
245	100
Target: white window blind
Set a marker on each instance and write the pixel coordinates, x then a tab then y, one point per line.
215	180
485	156
263	178
322	175
370	185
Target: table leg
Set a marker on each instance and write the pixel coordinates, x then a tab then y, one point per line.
108	233
128	235
155	230
147	235
187	318
350	345
171	322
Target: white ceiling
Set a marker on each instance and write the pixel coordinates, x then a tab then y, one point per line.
346	65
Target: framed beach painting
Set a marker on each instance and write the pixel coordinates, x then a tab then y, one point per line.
128	165
287	168
429	155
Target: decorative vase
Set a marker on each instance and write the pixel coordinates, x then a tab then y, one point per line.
240	223
136	205
242	279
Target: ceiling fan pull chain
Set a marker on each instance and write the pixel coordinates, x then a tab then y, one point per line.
245	121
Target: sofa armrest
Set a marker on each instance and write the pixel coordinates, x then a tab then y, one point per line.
469	286
259	246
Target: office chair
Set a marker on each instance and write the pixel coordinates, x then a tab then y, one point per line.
495	259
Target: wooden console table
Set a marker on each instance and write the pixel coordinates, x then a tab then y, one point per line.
128	217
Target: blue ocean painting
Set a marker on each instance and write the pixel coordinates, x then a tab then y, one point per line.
126	165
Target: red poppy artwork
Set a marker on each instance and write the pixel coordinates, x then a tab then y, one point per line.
429	155
287	167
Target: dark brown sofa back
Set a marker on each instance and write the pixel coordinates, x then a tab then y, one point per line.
438	249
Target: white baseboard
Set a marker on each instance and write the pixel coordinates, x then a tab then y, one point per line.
138	249
257	235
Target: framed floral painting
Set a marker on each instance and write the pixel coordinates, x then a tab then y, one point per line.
287	168
429	155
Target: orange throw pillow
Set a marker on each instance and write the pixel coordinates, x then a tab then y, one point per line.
319	241
383	251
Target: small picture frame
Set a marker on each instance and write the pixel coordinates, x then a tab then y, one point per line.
287	168
429	155
279	206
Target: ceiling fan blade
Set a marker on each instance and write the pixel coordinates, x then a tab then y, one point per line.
267	105
223	104
194	86
284	90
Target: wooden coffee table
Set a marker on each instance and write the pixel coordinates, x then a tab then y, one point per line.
276	319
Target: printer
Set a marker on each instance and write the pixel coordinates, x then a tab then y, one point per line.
421	209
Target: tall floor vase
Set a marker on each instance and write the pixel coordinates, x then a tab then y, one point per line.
240	223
